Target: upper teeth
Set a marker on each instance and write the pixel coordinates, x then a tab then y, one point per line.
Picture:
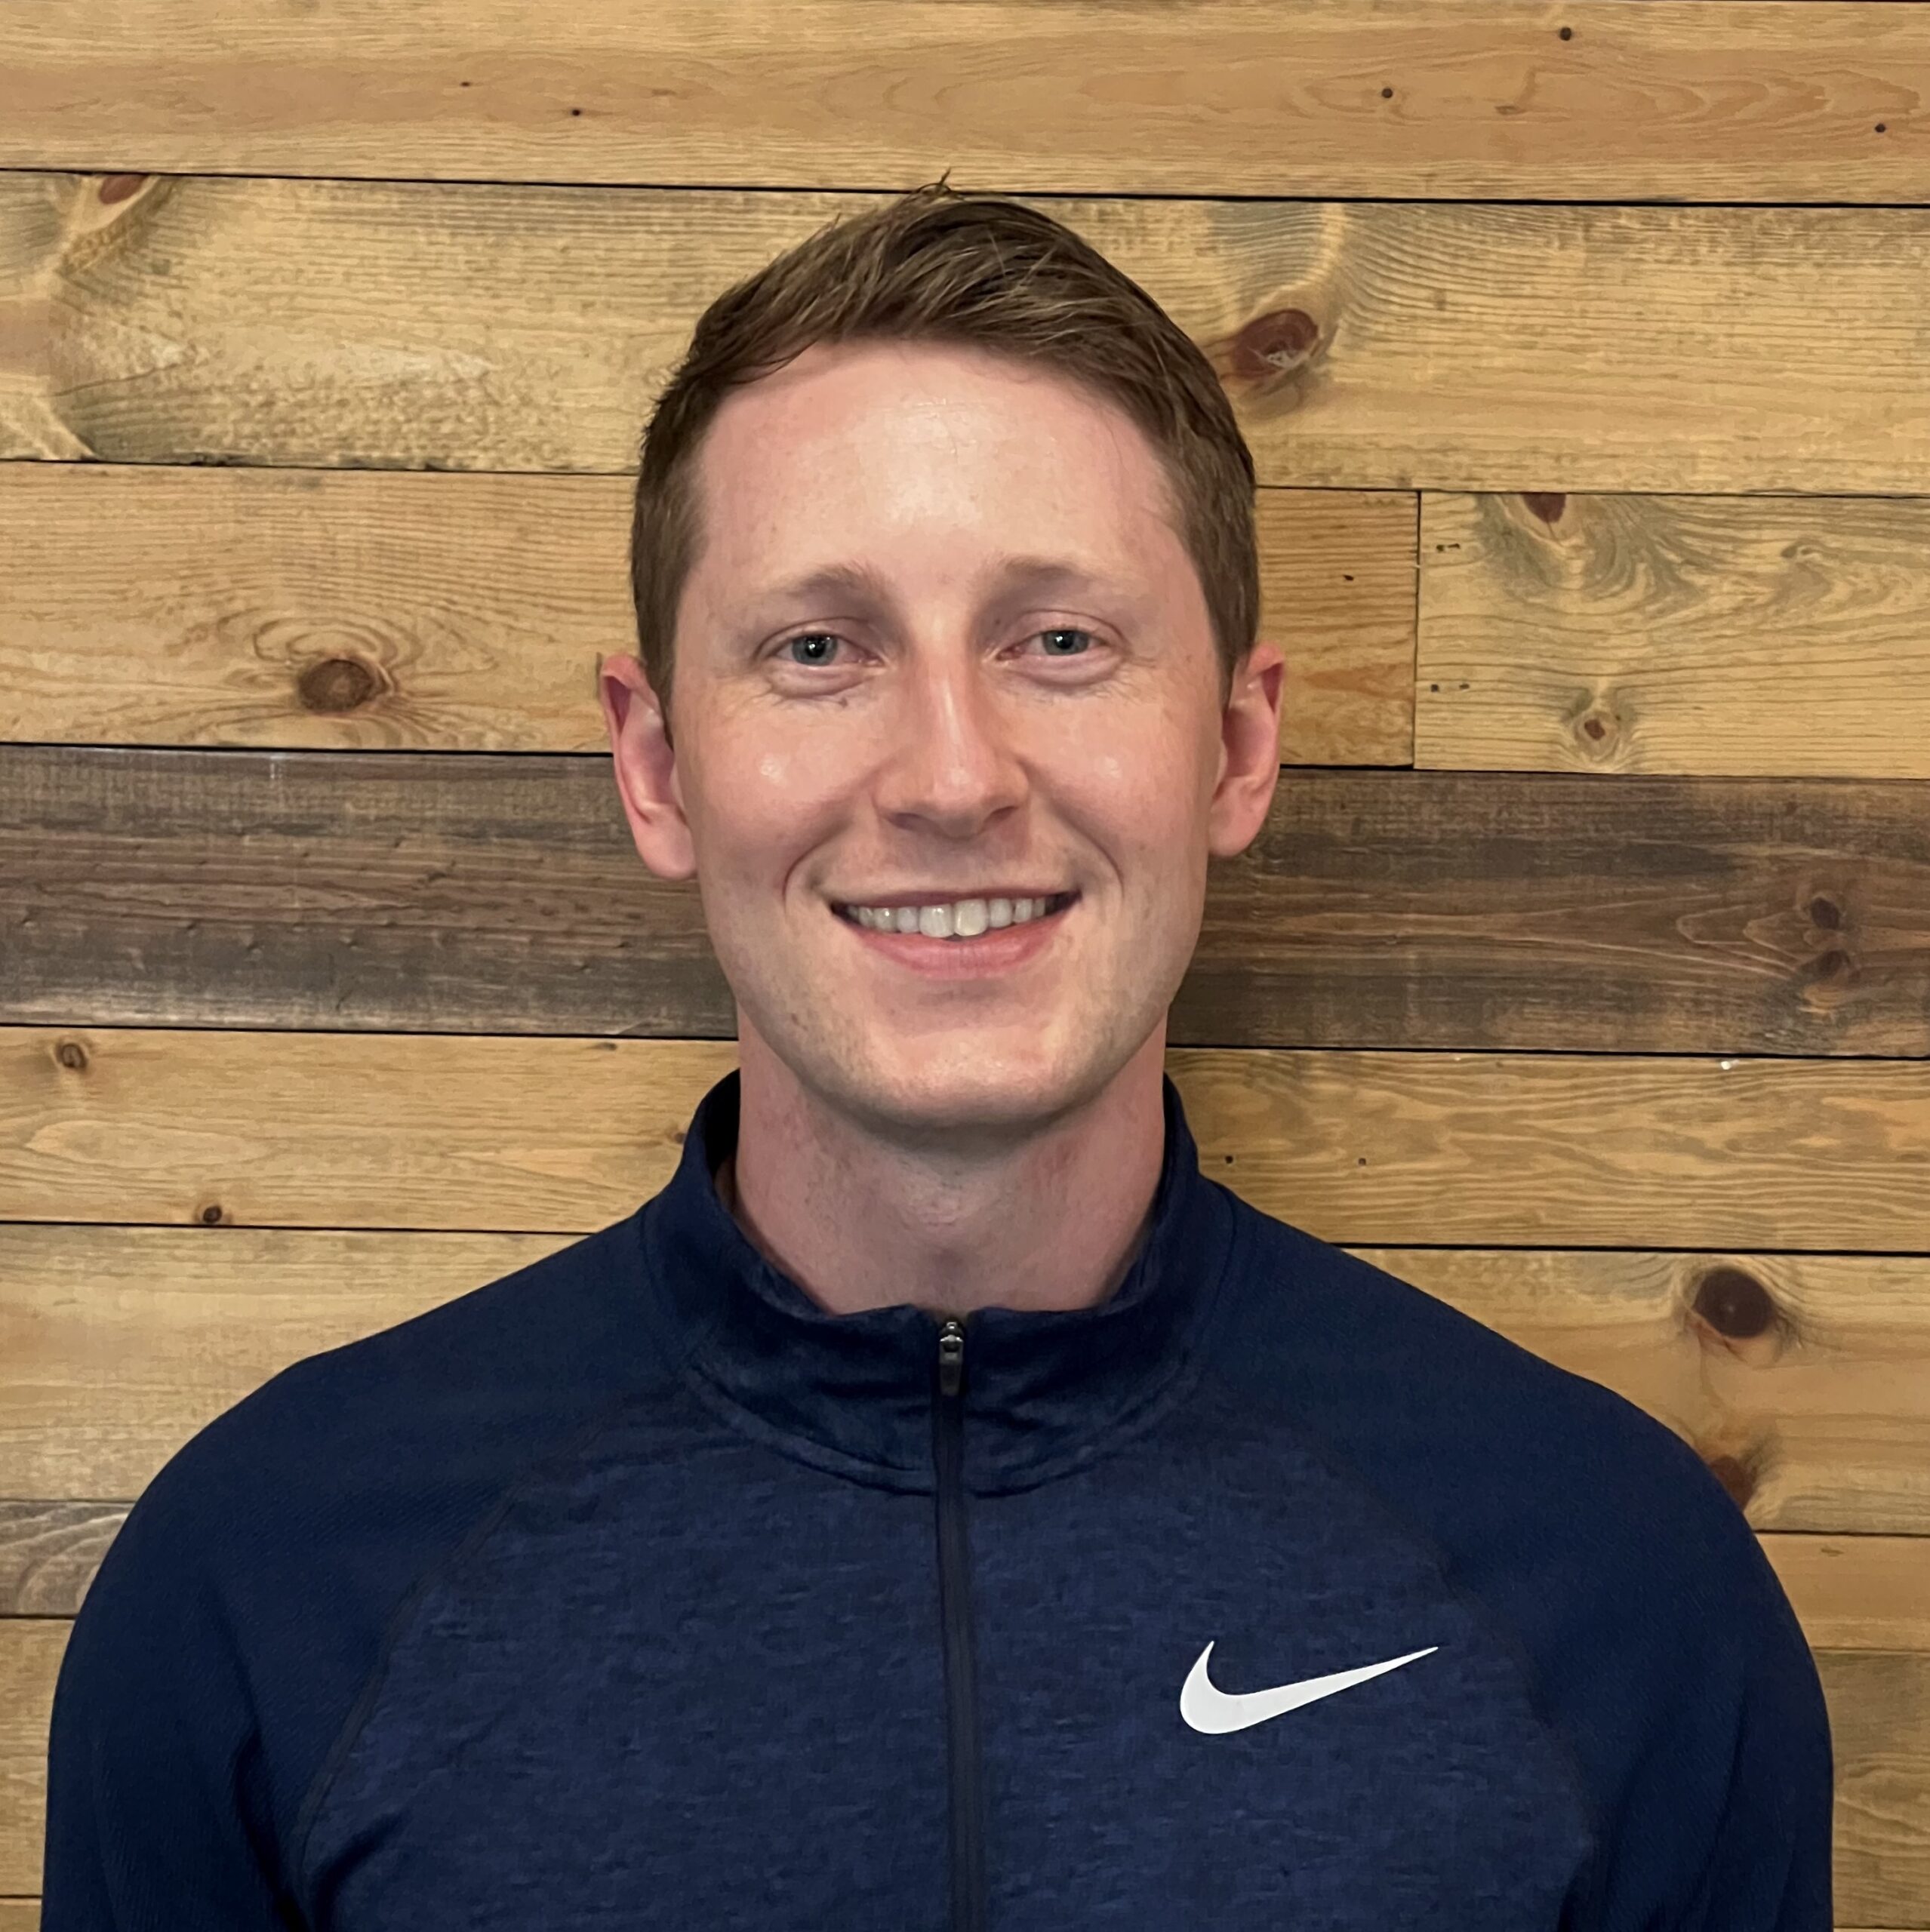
961	919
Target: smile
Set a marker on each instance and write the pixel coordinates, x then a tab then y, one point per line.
955	918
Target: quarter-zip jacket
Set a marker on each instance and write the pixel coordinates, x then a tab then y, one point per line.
635	1589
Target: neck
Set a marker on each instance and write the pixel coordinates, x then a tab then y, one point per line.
1049	1218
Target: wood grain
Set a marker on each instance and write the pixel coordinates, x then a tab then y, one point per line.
1754	634
1879	1721
1803	1380
384	610
1879	1714
1613	100
478	893
1365	345
1857	1593
30	1651
184	1127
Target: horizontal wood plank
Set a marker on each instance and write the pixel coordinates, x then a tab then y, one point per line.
1748	634
1879	1721
1803	1380
384	610
30	1652
1879	1714
192	1126
1857	1593
1611	100
452	892
1365	345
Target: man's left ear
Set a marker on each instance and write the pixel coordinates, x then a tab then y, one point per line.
1249	752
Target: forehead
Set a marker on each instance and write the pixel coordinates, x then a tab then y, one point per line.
860	461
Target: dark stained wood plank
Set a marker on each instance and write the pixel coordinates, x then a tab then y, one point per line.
464	894
1365	345
1491	99
1747	636
382	611
50	1551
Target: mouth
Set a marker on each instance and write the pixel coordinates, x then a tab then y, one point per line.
959	920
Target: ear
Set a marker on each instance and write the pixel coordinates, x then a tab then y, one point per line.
1249	753
646	768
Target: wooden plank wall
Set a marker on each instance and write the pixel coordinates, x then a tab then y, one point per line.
1581	976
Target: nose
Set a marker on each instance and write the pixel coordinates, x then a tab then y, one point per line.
953	769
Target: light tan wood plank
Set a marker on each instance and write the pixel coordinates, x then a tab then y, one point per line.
379	610
20	1914
523	1133
1803	1380
1459	98
1768	635
30	1652
1367	345
116	1344
1337	594
1575	1150
320	1129
1880	1721
1857	1593
1879	1712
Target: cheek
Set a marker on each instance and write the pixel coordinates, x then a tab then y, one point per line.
756	805
1149	796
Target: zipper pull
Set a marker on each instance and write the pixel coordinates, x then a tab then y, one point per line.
951	1355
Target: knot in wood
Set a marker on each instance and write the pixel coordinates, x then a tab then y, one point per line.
337	685
1734	1303
1274	345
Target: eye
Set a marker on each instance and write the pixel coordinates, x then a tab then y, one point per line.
1066	641
810	648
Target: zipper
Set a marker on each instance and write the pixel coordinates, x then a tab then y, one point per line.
967	1802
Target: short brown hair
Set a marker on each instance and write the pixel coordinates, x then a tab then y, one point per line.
938	266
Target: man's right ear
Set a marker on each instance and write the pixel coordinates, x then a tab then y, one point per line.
646	767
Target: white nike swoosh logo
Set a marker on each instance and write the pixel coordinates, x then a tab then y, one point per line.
1215	1711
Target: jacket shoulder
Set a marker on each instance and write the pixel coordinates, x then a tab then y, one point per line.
249	1592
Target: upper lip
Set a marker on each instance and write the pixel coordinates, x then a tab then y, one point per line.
948	898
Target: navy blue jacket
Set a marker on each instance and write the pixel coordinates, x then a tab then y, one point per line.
634	1590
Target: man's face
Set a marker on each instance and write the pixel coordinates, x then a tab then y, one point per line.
1030	758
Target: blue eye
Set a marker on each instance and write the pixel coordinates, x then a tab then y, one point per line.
818	647
1065	631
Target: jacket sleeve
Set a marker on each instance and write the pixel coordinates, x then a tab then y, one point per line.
154	1819
1769	1868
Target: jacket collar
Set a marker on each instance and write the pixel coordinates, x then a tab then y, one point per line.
1045	1390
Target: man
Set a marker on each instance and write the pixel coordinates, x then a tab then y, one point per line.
941	1506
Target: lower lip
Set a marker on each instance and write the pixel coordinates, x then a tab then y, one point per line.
993	951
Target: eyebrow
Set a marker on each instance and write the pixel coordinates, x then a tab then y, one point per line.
1014	572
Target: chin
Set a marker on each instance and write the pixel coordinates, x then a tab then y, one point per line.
919	1087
